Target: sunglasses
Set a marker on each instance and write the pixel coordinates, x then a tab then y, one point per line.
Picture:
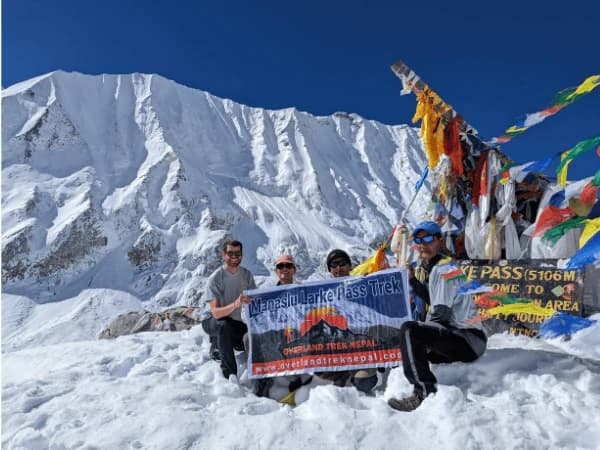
334	264
234	254
427	239
285	266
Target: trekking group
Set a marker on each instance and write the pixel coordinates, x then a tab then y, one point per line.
440	332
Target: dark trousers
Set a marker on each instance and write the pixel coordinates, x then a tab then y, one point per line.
421	344
230	336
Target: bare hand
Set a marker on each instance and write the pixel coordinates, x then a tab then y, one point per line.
245	299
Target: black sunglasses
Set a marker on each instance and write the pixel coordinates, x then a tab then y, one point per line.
282	266
334	264
234	254
427	239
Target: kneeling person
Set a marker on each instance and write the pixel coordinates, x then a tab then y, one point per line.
447	336
224	294
339	265
285	270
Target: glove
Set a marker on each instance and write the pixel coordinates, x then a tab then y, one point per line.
441	314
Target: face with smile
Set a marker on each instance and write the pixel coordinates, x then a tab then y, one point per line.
428	245
340	267
285	272
232	256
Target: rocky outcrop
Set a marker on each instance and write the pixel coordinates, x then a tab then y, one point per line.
14	252
80	240
173	319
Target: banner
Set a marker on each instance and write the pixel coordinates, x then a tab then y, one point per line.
538	280
331	325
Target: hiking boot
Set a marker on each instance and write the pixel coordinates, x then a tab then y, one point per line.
262	387
406	404
214	350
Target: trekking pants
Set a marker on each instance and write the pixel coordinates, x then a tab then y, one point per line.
230	334
425	342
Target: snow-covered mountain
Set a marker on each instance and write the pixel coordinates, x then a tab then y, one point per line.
131	182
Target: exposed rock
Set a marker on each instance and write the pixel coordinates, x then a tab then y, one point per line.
144	254
173	319
81	239
13	267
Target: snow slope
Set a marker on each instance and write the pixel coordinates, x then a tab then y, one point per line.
161	390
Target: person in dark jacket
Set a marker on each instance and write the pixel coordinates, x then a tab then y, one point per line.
449	334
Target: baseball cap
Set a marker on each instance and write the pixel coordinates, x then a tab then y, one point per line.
428	226
285	259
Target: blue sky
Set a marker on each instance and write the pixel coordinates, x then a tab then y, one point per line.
493	62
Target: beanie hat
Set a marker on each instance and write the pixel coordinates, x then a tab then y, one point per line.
337	254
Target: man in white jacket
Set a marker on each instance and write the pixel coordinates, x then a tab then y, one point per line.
448	334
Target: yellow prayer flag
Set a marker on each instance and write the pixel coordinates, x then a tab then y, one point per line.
592	226
373	263
520	308
588	85
561	177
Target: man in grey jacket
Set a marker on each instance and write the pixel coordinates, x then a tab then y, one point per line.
448	335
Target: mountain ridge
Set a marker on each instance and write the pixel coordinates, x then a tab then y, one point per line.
131	182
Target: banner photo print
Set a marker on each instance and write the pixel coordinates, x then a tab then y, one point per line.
330	325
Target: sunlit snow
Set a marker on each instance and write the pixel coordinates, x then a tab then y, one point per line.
116	192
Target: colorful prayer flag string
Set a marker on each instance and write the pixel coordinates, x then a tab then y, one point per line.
453	275
519	172
561	100
588	254
568	156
